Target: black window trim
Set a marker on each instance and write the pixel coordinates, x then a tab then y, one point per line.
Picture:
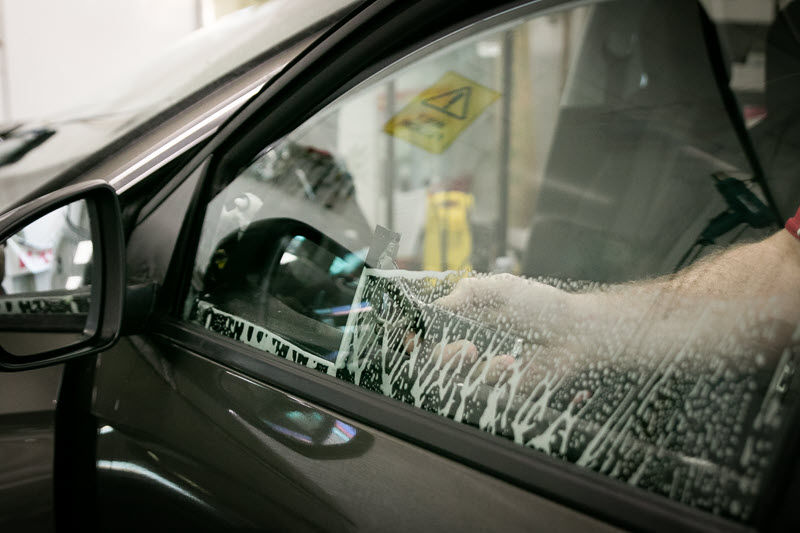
342	48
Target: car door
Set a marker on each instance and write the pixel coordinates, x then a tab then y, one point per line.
291	376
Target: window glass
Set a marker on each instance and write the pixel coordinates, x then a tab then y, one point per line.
761	43
516	230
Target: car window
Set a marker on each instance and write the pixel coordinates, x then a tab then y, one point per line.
572	156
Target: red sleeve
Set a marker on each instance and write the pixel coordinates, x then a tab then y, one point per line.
793	224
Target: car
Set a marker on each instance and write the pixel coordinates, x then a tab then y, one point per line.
248	330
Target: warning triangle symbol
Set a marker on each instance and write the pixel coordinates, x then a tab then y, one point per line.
453	103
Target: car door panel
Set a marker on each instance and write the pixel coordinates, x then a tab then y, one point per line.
27	426
205	474
226	449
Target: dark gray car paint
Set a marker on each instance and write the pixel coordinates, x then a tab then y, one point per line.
27	424
210	459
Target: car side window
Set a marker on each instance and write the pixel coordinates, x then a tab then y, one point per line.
563	154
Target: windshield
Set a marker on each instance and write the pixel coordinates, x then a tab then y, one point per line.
199	63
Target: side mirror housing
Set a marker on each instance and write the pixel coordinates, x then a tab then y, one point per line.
63	276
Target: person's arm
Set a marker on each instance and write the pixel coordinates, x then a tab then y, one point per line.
763	269
738	301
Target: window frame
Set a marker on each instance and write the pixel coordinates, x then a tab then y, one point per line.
372	38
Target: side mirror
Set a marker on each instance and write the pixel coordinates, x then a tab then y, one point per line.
285	276
62	276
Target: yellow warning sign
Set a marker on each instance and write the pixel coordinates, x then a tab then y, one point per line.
438	115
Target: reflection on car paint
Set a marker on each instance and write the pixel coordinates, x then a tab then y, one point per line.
289	433
340	433
304	428
136	470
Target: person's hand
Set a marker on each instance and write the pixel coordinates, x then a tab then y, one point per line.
534	311
538	320
461	358
464	354
502	302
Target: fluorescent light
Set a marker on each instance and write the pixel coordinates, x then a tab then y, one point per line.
83	254
73	282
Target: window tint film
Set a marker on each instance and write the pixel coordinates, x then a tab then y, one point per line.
540	230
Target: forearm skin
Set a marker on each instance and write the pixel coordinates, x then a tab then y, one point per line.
743	299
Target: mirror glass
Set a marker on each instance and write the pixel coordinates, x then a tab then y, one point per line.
316	280
46	271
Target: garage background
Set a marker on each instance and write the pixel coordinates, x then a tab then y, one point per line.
57	56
